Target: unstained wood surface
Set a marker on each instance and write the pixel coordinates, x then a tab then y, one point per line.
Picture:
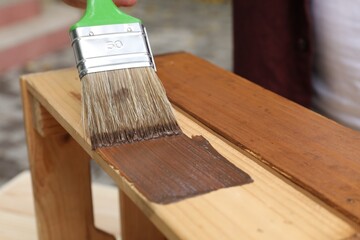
17	213
316	153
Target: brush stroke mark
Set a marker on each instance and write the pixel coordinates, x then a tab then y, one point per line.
170	169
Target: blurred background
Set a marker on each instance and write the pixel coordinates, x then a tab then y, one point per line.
34	38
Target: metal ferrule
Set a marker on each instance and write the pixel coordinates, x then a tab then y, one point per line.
111	47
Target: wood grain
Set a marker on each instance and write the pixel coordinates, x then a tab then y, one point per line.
134	223
43	122
269	208
17	214
315	153
170	169
60	172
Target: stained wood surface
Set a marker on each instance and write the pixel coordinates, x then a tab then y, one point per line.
268	208
315	153
170	169
17	214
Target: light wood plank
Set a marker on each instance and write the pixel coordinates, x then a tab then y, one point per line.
44	123
17	214
134	223
269	208
60	171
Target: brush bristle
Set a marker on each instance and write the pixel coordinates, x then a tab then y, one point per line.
124	106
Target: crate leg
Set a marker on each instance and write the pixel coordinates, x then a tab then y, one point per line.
60	171
134	224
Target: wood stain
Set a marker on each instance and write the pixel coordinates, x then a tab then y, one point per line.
169	169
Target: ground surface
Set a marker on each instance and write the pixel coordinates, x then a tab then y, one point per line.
200	27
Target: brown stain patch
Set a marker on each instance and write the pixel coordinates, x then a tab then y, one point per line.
122	95
170	169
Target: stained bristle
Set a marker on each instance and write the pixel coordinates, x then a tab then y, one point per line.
127	105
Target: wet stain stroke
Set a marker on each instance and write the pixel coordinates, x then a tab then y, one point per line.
170	169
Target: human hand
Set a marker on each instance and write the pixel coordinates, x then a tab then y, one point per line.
82	3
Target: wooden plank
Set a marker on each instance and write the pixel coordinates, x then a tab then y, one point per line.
60	171
44	123
134	224
17	214
268	208
315	153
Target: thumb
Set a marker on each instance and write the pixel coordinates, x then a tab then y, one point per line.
82	3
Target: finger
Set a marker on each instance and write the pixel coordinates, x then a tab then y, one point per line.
82	3
76	3
125	3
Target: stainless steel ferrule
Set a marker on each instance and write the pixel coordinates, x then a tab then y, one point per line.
111	47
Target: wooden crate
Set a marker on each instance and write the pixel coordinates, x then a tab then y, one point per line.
305	168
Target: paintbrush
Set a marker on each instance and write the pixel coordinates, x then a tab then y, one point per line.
123	99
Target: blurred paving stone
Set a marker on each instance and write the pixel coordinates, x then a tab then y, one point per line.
13	155
12	11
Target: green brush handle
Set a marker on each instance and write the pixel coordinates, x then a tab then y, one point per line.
103	12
